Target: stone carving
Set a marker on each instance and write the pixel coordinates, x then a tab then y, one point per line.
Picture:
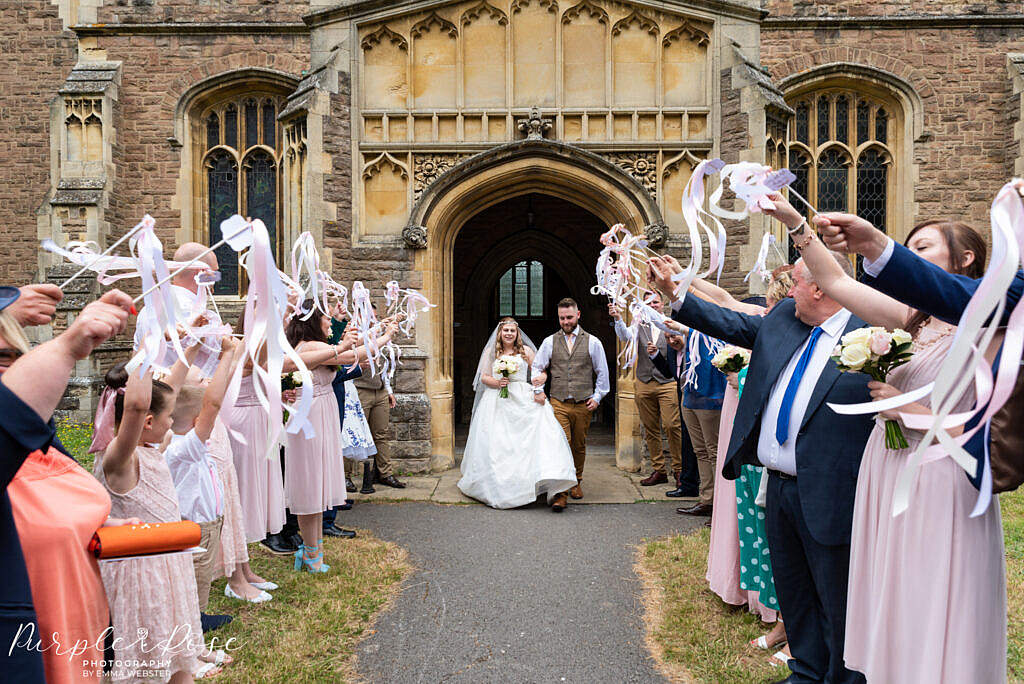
640	20
551	5
689	31
657	234
415	237
374	166
593	10
427	168
535	126
382	34
442	24
643	166
484	8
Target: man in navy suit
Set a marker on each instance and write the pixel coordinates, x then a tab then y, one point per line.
672	364
812	454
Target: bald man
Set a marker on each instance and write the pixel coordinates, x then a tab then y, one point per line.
184	291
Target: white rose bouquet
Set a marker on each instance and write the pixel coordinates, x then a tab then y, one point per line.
731	359
876	351
506	366
290	381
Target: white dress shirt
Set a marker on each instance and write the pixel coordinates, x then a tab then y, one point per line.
200	497
873	268
783	457
597	358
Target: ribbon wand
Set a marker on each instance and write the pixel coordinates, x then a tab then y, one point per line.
231	239
147	219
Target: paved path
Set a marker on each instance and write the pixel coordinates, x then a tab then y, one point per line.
524	595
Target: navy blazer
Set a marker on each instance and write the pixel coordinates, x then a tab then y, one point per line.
21	432
931	289
829	446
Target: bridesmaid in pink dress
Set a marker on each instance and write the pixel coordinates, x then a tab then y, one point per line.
314	478
927	591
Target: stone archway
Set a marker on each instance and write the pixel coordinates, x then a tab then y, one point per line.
520	168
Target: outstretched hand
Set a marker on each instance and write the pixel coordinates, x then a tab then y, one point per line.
784	211
98	322
36	305
660	271
850	234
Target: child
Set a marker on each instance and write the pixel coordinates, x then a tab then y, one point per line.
153	601
200	493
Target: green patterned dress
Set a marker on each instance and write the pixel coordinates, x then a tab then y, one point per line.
755	562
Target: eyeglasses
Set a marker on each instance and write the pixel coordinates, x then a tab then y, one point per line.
8	356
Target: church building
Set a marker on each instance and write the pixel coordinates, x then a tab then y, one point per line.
476	149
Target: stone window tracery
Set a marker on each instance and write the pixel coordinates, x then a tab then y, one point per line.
521	290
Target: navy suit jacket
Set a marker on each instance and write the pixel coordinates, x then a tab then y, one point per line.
21	432
829	446
929	288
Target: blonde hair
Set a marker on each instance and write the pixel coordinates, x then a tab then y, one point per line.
780	284
11	331
518	348
187	407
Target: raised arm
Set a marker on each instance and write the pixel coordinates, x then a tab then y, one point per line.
865	302
720	296
213	397
119	464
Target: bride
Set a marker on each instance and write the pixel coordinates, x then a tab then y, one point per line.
516	449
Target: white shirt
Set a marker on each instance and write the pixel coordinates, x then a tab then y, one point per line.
769	451
200	497
873	268
207	357
597	358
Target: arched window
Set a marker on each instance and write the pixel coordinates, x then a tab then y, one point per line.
521	291
239	145
840	153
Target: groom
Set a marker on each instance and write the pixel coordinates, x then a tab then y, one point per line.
574	357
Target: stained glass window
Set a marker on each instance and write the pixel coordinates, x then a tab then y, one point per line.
237	183
231	126
252	124
802	118
871	187
222	181
863	122
800	166
269	123
842	119
881	126
833	181
521	291
212	130
823	132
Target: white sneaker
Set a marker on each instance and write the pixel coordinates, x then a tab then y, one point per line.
261	598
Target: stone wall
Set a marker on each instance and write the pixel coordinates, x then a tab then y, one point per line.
37	55
889	8
191	11
965	148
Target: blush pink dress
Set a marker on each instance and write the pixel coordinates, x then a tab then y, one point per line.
723	574
314	473
153	601
232	534
260	482
927	590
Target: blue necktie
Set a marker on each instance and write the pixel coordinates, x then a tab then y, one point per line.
782	426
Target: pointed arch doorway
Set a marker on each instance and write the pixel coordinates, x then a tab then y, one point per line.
589	193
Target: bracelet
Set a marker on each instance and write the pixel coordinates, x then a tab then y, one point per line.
800	245
799	228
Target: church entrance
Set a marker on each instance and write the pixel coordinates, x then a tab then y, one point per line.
518	258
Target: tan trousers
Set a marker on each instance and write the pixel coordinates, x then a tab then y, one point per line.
207	563
658	406
575	420
378	414
702	424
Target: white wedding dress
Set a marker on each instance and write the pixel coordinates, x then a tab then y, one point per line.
516	449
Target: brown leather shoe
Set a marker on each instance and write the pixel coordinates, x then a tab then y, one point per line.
655	478
576	492
559	503
699	509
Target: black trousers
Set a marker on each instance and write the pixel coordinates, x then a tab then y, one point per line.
810	580
690	477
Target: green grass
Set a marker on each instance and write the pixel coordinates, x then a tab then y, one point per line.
695	637
76	438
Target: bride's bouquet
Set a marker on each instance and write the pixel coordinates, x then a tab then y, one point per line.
290	381
876	351
731	359
506	366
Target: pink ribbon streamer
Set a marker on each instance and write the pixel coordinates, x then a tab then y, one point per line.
103	425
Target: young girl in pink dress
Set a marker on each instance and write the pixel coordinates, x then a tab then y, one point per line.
154	605
927	589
